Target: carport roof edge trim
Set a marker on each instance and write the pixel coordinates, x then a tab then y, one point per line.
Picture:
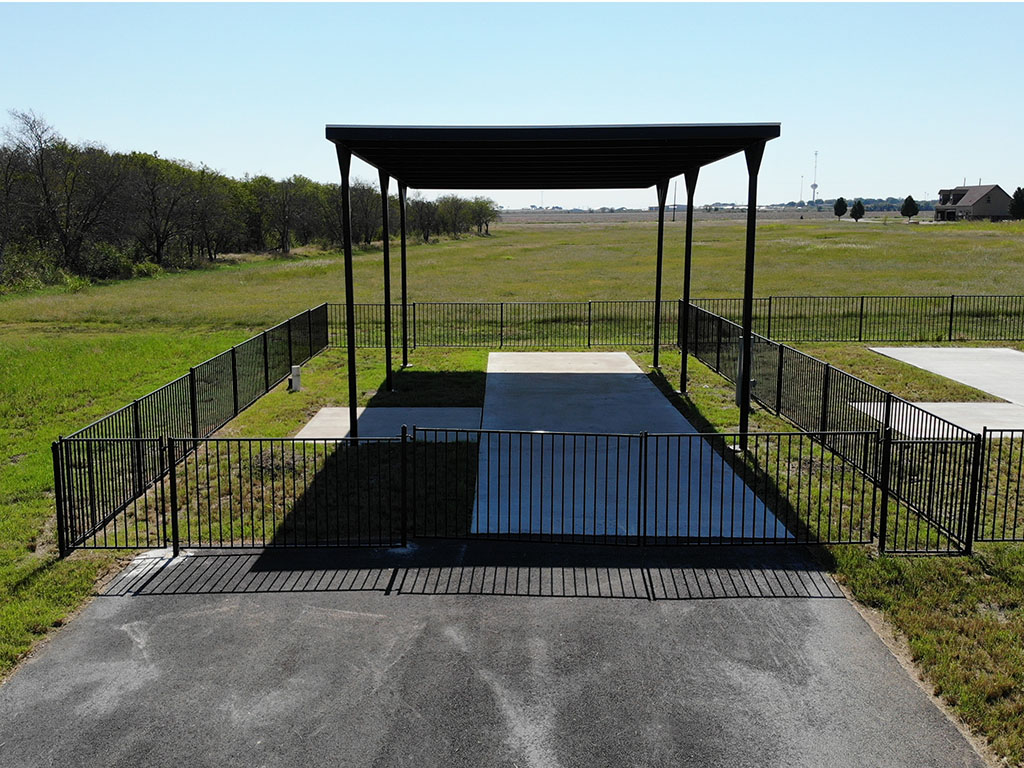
545	157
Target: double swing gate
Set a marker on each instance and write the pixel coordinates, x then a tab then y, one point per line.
627	489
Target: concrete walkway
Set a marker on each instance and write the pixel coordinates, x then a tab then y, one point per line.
569	484
376	659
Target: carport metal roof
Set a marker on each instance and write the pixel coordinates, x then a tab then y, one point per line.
545	157
548	157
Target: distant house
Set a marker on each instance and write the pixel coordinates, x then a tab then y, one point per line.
987	201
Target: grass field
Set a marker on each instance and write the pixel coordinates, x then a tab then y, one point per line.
66	359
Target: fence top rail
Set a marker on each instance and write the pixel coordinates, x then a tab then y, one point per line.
1000	432
101	419
449	430
285	439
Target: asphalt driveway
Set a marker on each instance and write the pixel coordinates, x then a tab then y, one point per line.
473	655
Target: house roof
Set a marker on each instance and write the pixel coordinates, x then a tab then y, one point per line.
545	157
974	194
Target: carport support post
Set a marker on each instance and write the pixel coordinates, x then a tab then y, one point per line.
344	164
662	194
402	189
691	185
384	179
754	155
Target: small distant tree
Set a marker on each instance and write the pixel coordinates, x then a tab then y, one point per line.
857	212
1017	204
839	209
909	208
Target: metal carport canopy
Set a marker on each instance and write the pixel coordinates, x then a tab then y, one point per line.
545	157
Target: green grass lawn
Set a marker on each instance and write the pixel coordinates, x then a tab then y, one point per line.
66	359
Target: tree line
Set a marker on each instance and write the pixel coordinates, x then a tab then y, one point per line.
77	211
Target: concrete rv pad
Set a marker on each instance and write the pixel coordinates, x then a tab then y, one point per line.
387	422
591	485
999	371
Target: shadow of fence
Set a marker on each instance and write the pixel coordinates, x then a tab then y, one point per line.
487	569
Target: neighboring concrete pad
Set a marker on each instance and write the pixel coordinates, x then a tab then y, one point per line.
429	677
970	416
996	370
387	422
557	485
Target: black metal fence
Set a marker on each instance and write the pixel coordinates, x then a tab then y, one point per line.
110	465
511	324
1002	489
929	465
631	323
880	318
528	486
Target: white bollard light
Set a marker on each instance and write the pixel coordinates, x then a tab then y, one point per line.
295	380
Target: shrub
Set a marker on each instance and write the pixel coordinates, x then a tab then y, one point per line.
146	269
104	261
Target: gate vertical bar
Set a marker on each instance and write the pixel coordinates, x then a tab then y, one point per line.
405	485
642	494
952	307
137	448
974	497
826	380
860	321
590	322
883	516
56	449
172	463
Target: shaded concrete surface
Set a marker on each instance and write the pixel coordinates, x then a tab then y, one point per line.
430	676
387	422
561	485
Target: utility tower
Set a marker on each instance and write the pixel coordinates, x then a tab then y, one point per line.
814	184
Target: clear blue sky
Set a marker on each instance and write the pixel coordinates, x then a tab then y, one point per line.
897	99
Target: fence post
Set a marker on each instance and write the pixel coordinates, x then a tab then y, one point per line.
175	543
405	484
974	498
883	480
193	397
952	306
718	347
234	380
309	329
768	333
291	359
161	469
643	490
860	323
56	450
266	363
826	381
501	324
137	447
778	380
590	322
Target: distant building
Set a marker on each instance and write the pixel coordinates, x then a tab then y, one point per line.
987	201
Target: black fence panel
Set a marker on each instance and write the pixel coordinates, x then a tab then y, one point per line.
288	493
930	462
106	470
1002	488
